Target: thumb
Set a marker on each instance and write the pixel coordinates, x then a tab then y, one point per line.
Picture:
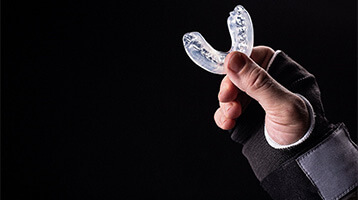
256	82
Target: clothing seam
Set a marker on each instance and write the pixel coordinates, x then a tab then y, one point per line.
293	85
308	153
346	191
309	178
334	133
320	144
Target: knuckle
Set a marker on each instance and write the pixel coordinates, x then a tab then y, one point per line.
258	79
231	110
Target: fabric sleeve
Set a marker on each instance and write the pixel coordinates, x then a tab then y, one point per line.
326	171
268	162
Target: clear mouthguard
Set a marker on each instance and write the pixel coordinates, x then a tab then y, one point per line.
242	39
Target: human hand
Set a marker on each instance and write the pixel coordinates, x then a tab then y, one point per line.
287	117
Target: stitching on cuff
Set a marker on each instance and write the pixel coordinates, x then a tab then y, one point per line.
308	153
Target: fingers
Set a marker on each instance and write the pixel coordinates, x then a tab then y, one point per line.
244	79
227	113
222	121
228	91
231	101
231	110
246	75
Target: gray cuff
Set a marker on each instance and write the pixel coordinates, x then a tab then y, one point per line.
332	166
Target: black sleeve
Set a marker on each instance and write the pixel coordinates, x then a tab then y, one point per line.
278	169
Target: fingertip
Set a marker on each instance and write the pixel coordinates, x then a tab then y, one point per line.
236	63
231	54
228	58
223	122
217	117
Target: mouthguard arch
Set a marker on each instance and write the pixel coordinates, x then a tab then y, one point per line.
242	39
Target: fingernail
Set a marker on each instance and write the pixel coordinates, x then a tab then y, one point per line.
237	61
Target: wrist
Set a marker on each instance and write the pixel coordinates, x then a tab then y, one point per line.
273	142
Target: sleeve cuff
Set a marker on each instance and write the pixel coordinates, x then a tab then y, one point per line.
275	145
272	59
325	171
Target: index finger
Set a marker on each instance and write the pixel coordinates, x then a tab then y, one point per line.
228	91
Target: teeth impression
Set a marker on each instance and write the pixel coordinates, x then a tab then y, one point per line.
242	39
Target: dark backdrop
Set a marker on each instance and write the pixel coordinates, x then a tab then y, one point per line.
100	100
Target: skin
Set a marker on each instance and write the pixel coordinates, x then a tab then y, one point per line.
287	117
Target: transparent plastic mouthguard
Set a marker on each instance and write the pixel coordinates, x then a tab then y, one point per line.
242	39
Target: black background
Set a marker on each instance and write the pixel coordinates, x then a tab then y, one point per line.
100	100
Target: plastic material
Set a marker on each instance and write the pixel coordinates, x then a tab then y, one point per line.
242	39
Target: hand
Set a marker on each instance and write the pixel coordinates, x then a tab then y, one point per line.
287	117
